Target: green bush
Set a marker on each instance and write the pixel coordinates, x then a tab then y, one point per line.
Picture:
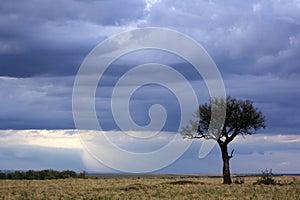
32	175
68	174
42	175
2	175
17	175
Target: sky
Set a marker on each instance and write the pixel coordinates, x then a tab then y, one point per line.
255	45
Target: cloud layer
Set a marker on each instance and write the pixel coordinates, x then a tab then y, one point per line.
255	45
62	149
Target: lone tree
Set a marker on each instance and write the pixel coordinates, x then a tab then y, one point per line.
241	118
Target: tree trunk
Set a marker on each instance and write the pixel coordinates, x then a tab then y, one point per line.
226	170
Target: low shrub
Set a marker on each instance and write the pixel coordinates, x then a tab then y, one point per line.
238	180
266	178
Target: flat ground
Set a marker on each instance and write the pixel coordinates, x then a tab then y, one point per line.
149	187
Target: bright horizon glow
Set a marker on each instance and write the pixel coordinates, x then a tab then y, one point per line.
278	149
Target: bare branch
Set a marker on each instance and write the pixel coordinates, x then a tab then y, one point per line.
209	137
199	136
231	154
235	133
188	136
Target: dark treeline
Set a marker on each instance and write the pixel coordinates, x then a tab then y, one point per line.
42	175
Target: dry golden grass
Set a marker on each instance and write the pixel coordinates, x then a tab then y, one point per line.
148	188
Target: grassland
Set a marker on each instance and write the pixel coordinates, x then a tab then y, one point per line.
148	188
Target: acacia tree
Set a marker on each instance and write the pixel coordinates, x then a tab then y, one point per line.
242	118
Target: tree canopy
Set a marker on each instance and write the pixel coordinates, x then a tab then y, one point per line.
242	117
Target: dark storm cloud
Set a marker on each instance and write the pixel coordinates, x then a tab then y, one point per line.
98	12
275	96
251	37
53	37
255	45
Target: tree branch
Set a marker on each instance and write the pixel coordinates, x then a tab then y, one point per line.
191	136
234	134
231	154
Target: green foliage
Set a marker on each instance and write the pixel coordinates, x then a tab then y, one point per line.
266	178
2	175
241	118
49	174
46	174
68	174
16	175
32	175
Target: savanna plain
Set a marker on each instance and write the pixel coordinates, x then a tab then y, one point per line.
154	187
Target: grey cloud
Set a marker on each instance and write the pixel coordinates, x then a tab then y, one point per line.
35	103
255	45
238	35
275	96
53	37
99	12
